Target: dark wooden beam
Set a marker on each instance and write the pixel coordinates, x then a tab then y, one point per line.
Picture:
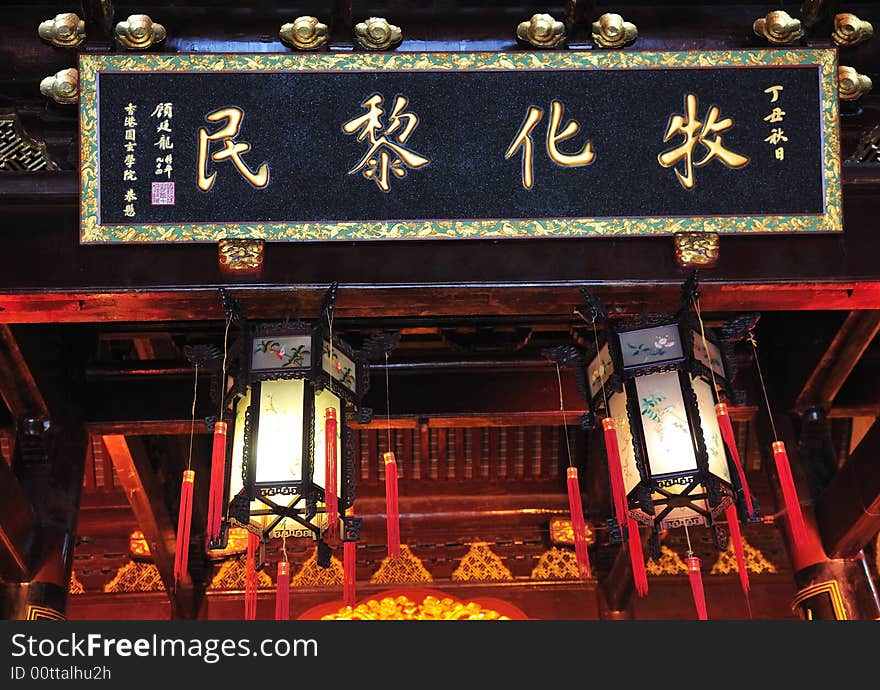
16	528
844	352
136	475
17	386
848	511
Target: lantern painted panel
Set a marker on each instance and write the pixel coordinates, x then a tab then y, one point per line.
664	419
617	405
324	400
599	370
340	366
650	346
279	442
283	353
712	358
711	431
236	480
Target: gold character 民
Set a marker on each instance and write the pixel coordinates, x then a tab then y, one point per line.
695	132
523	139
231	150
387	154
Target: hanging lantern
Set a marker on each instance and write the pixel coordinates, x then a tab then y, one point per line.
294	385
654	383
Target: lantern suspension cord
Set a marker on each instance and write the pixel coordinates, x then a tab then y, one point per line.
564	424
706	347
688	537
222	395
284	548
601	366
763	387
192	424
387	404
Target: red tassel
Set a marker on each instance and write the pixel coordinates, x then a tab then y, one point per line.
789	494
331	494
696	578
218	475
250	578
184	520
618	491
637	557
282	592
736	538
349	563
391	507
730	441
578	525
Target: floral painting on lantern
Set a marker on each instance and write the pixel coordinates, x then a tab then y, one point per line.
664	420
281	352
339	366
650	345
712	357
599	369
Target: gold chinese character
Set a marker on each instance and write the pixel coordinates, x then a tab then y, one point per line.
775	115
130	108
130	195
164	143
780	153
128	210
164	126
130	135
163	165
232	150
695	132
129	121
386	154
777	134
162	110
130	146
128	160
129	175
774	92
523	139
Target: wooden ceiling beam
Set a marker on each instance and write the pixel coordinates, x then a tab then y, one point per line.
839	360
16	528
848	511
17	385
136	475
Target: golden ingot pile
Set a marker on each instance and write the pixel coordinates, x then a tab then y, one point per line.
402	608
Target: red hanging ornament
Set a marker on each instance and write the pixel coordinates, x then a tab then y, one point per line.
391	507
618	490
282	592
696	578
349	567
331	492
736	539
722	413
578	525
789	494
250	578
184	520
637	557
215	495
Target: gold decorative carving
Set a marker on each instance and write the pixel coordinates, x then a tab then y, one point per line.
136	577
754	559
849	30
232	575
778	27
138	548
61	87
240	256
43	613
556	564
696	249
139	32
480	564
851	84
612	31
541	31
75	586
66	30
831	588
403	569
313	575
670	563
377	34
304	33
20	151
561	532
403	609
236	544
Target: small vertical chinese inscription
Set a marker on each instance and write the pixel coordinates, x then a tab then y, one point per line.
129	124
775	117
162	191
